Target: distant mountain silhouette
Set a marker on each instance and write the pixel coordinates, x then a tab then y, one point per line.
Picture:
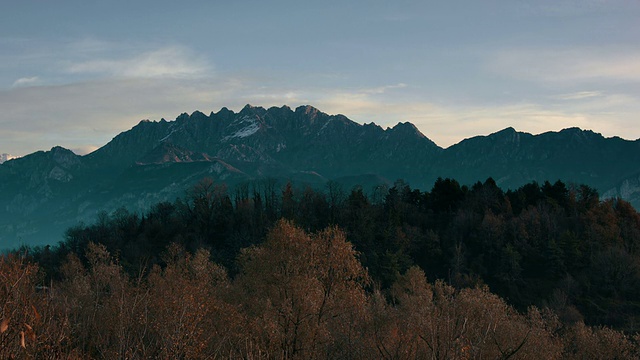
43	193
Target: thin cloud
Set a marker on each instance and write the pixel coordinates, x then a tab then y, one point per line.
26	81
91	113
579	95
171	62
568	65
85	115
611	115
383	89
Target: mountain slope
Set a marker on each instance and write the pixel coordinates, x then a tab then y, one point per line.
513	158
43	193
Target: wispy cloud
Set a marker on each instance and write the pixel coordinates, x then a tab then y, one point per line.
87	114
173	61
579	95
87	59
563	65
383	89
26	81
449	123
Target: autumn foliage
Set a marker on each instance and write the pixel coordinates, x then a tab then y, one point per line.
297	295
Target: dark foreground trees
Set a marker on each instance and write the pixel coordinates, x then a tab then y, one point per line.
297	295
546	245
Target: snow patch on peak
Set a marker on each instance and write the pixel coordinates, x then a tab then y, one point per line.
252	126
248	131
173	128
166	137
324	126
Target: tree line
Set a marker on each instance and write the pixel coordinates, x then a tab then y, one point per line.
286	272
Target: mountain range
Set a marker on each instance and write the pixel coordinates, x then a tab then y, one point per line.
44	193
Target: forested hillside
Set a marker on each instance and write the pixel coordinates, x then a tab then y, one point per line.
270	271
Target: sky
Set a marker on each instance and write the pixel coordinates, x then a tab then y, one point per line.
76	73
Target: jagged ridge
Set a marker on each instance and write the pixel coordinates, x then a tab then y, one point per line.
158	160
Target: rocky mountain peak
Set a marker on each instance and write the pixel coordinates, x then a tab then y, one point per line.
577	134
157	160
250	110
64	157
509	131
308	110
222	114
197	115
508	136
407	128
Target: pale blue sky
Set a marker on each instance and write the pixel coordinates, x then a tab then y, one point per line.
77	73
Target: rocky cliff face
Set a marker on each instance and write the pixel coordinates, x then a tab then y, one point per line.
44	193
628	189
